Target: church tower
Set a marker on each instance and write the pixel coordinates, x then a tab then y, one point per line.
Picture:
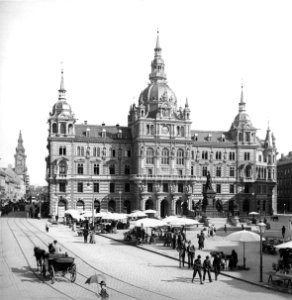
20	157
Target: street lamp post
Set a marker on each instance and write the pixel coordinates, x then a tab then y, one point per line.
262	227
120	192
284	208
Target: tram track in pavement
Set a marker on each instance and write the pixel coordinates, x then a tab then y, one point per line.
133	291
71	293
29	265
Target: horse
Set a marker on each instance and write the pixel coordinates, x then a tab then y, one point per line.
40	256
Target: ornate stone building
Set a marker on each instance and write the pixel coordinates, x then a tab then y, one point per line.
157	161
14	182
284	170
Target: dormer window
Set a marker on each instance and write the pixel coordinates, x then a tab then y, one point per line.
103	133
196	137
223	137
209	137
87	132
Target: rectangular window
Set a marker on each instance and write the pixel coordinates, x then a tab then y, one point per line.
192	170
150	187
129	153
127	187
80	169
150	172
96	187
247	136
231	155
203	187
218	171
231	172
62	187
180	172
114	153
231	188
96	169
112	187
218	188
165	187
204	171
127	169
80	187
180	187
205	155
246	156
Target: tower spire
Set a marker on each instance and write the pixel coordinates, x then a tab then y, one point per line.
241	103
62	91
157	65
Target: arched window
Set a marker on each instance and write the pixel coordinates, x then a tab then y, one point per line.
112	169
98	151
150	156
177	130
165	157
80	205
180	157
82	151
94	151
78	151
63	128
70	129
96	206
182	131
55	128
112	206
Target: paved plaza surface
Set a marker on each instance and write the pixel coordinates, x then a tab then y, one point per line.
130	272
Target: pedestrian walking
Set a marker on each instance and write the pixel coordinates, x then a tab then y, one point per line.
207	268
283	232
201	239
47	226
217	265
103	294
198	269
225	228
85	234
191	254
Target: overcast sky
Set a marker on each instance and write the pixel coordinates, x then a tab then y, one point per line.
209	48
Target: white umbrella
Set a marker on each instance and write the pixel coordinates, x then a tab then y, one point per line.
73	213
244	236
150	211
114	216
87	214
176	221
102	214
147	222
284	245
253	213
137	214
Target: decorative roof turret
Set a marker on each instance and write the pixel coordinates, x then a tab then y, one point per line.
269	139
62	108
20	148
242	120
157	65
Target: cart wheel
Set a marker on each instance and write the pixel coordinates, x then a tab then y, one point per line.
52	273
73	273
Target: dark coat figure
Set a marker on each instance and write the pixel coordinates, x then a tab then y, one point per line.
191	254
201	239
52	249
85	234
179	241
225	228
217	265
40	256
182	255
207	268
173	240
198	269
283	232
233	260
103	294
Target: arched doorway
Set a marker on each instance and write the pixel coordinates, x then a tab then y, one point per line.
185	208
164	208
80	205
62	206
96	205
127	207
149	204
112	206
178	209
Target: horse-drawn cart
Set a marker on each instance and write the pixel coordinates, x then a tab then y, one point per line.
60	263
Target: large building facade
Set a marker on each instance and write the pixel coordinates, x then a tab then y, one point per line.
284	170
158	161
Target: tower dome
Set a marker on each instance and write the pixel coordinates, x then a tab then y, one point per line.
158	94
62	108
